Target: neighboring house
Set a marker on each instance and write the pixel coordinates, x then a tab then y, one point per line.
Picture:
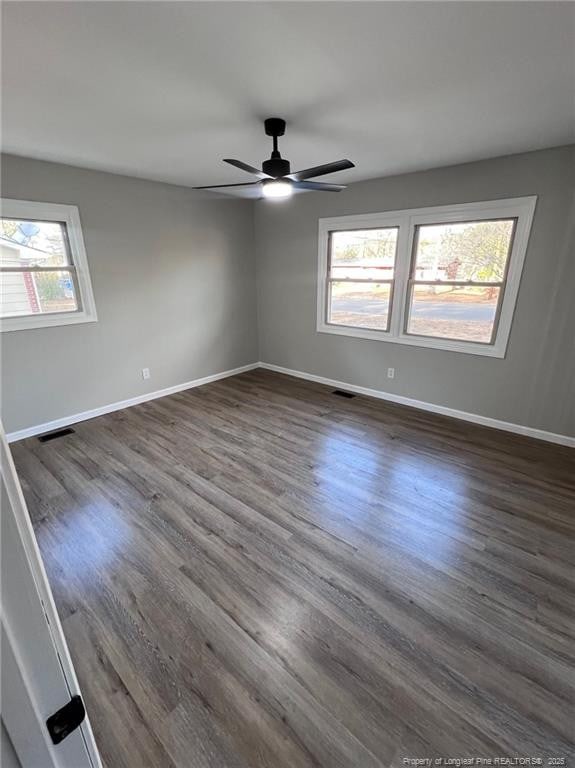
18	290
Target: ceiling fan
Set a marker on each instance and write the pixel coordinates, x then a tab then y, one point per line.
275	178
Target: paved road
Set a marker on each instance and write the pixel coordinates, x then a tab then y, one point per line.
432	309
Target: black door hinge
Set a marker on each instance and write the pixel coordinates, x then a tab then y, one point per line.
66	720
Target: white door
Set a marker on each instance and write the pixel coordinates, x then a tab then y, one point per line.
38	678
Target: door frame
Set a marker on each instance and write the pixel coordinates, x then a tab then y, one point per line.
21	716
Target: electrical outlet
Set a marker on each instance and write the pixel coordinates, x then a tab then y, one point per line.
145	373
391	373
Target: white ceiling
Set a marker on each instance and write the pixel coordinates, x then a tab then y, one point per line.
165	90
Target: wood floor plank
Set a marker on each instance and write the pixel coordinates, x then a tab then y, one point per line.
259	574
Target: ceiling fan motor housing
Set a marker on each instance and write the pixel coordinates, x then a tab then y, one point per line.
276	166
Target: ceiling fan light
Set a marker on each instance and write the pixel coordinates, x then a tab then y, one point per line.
277	189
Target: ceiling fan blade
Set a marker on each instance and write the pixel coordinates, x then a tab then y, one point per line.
248	168
321	170
317	186
226	186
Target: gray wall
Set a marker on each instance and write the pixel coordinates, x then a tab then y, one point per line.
533	385
8	756
174	283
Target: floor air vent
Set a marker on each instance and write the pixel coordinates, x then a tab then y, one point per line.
58	433
341	393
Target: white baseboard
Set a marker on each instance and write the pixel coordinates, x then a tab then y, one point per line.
65	421
475	418
486	421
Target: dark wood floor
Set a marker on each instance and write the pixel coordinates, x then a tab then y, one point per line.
260	573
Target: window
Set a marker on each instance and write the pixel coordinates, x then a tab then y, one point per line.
444	277
44	278
457	279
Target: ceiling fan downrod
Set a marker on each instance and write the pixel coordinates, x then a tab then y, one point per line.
276	166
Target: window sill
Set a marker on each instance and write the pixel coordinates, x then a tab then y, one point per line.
466	347
29	322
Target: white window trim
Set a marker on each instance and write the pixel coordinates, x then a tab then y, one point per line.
521	208
69	214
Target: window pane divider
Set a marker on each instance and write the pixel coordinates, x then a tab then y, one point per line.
65	268
387	281
463	283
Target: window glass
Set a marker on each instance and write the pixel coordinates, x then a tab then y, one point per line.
457	278
32	280
453	312
364	254
361	274
476	251
33	243
362	305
